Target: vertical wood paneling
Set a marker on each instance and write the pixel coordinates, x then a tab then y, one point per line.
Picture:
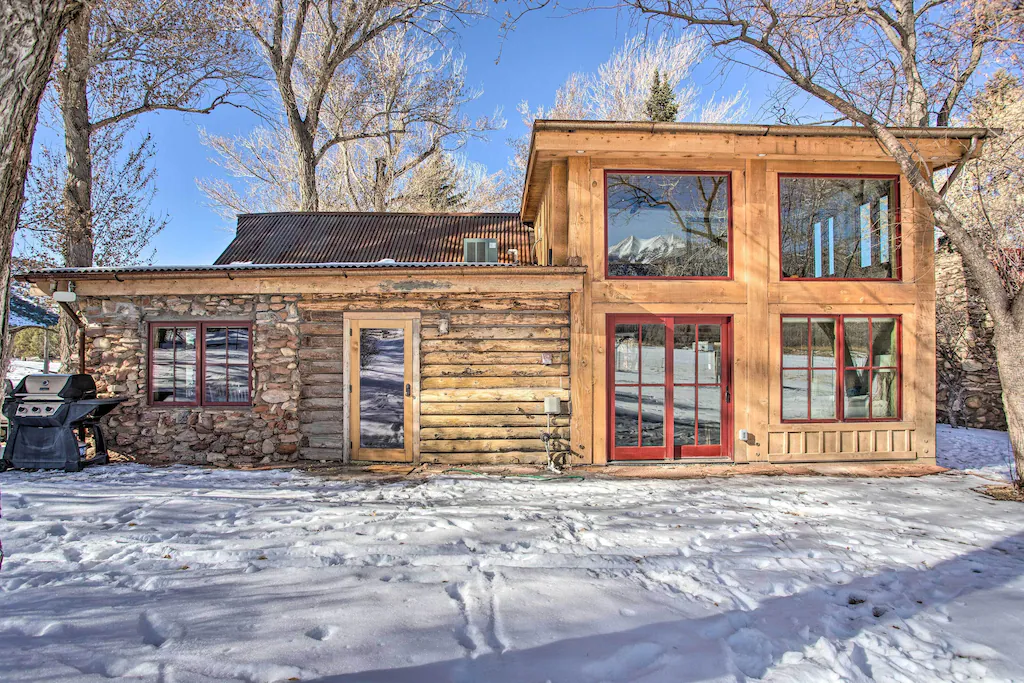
580	245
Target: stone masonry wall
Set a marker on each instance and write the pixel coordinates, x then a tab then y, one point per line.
116	341
968	384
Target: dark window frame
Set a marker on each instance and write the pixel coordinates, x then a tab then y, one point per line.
200	328
897	218
729	234
840	367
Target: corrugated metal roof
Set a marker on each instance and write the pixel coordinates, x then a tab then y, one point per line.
352	237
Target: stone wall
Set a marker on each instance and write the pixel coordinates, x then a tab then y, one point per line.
968	389
116	355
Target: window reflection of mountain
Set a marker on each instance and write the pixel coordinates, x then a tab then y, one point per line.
693	242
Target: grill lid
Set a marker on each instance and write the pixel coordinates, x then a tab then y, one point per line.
55	386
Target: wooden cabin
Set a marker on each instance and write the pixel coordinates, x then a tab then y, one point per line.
668	292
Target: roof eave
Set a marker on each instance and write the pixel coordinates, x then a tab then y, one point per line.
291	270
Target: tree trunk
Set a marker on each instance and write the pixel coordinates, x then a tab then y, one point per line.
74	105
1009	344
309	197
30	33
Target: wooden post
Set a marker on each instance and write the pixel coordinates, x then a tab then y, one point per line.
581	369
46	350
757	231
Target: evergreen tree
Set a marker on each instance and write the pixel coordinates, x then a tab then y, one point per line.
435	187
661	103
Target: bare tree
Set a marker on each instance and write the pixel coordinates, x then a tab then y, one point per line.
397	108
311	47
878	65
122	59
122	189
30	32
619	89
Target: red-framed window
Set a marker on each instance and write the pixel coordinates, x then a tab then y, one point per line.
200	363
668	225
839	227
841	368
670	386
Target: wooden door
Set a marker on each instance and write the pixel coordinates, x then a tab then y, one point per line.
381	380
670	379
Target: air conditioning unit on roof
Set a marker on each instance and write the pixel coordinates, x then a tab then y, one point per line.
479	250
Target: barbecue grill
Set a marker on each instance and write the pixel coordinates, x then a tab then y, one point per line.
42	414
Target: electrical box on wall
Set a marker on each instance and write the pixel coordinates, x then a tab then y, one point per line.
552	405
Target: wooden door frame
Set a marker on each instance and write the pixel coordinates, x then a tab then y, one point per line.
413	434
728	383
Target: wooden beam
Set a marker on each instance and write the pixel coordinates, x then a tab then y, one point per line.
580	246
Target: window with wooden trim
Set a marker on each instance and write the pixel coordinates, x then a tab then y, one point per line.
839	227
840	368
668	224
208	363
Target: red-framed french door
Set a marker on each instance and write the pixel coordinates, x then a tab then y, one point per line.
670	384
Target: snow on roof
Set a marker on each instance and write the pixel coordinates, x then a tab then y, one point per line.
25	313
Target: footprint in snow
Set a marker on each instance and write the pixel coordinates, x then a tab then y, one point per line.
322	632
156	630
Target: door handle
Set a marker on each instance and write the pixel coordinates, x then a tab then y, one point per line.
728	395
408	390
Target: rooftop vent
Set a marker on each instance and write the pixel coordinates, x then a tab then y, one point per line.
480	250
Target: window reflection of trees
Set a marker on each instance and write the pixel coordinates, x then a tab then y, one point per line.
823	235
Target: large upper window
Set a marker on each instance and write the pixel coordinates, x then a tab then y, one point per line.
839	227
200	363
840	368
668	225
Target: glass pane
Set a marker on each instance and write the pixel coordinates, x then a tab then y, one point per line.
709	416
216	384
794	342
685	354
684	416
652	424
627	354
855	390
823	395
382	388
855	342
709	354
627	427
823	342
883	393
883	342
238	383
668	225
794	394
185	364
838	227
652	338
163	365
238	345
216	343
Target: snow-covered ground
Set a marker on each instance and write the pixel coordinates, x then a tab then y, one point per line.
187	574
984	452
19	368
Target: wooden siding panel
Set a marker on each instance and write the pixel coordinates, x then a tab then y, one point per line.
481	384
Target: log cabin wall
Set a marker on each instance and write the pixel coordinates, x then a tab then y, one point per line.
482	382
491	345
754	296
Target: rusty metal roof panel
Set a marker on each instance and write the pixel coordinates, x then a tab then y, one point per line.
354	237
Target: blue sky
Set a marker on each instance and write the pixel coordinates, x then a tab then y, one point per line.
535	60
